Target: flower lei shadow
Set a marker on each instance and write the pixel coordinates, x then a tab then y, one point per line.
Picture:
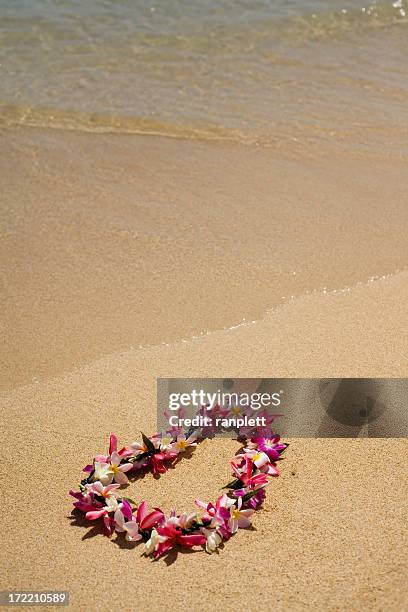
209	527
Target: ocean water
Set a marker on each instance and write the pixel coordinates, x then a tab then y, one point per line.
270	72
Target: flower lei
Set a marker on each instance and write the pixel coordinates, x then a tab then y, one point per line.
216	523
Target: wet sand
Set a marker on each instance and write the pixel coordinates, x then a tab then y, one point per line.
115	241
112	242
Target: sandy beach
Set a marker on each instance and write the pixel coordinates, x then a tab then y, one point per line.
128	258
205	189
116	241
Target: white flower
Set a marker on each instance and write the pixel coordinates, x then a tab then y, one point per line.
258	457
103	472
154	541
118	470
213	539
138	448
240	518
165	443
182	442
111	503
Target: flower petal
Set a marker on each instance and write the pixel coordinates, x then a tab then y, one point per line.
121	478
113	444
152	519
95	514
119	519
192	540
127	510
115	459
141	511
125	467
132	530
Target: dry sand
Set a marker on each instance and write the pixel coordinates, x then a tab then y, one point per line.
333	531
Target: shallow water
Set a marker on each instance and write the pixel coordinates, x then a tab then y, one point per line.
266	72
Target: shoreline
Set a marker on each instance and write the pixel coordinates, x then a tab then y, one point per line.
136	241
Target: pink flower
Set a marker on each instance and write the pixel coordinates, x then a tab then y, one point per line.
86	503
92	508
113	444
157	461
270	446
142	463
211	418
126	522
223	502
245	474
218	515
147	520
175	536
